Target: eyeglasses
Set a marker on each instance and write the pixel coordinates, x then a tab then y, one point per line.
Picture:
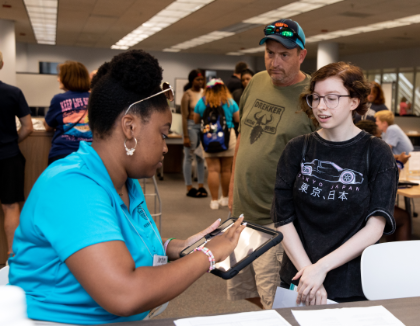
282	30
166	88
330	100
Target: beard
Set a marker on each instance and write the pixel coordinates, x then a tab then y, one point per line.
280	77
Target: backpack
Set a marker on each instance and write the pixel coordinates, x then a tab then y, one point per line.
215	133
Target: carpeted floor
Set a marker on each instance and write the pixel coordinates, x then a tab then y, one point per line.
183	216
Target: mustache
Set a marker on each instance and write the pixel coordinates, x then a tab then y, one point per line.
277	70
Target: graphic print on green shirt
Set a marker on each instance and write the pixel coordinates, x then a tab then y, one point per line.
269	117
263	117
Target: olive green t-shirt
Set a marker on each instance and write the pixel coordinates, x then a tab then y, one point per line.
269	117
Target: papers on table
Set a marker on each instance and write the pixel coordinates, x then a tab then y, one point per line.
369	316
285	298
257	318
414	161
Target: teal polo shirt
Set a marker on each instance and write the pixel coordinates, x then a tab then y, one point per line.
74	205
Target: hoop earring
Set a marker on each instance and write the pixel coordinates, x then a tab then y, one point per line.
130	151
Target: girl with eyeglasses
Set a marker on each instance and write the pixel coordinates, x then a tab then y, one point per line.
87	250
335	191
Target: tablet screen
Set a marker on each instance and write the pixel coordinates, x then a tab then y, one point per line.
249	241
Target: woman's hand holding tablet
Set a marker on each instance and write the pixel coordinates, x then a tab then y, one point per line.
222	245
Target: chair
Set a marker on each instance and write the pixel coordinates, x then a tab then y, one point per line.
4	275
391	270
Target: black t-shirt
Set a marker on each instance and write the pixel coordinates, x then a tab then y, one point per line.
12	104
330	195
233	83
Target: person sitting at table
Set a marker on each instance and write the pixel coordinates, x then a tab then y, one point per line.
87	250
335	191
392	134
68	111
401	216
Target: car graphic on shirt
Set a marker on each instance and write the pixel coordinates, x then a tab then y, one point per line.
329	171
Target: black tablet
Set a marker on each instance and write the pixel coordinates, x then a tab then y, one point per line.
253	242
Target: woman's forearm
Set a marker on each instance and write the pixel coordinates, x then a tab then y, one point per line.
294	247
174	248
354	247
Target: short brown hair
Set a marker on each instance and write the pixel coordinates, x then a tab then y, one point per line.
385	116
353	80
240	66
380	97
74	76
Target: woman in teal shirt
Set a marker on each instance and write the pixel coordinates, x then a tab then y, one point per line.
87	250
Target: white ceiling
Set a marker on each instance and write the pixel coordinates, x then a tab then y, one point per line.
101	23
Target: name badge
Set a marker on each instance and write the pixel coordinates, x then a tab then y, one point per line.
160	260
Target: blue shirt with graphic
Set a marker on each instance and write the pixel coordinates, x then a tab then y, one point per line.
69	116
73	205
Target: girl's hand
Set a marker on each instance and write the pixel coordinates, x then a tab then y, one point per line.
222	245
310	289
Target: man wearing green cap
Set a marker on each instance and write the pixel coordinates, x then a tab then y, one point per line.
269	118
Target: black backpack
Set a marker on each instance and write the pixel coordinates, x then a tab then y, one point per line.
215	133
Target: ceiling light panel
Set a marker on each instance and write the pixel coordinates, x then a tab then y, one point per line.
292	9
166	17
365	29
287	11
43	17
213	36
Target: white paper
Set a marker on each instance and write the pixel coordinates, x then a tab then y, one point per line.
414	161
257	318
368	316
285	298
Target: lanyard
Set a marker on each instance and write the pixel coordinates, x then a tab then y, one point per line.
139	233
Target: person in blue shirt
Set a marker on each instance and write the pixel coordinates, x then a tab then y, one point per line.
392	134
219	164
87	250
68	111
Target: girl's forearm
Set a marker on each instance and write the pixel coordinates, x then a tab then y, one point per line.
354	247
294	247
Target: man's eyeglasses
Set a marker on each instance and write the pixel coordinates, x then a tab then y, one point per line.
282	30
330	100
166	89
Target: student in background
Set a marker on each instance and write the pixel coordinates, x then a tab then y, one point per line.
392	134
67	114
329	202
12	162
191	130
234	82
219	164
404	106
246	76
377	98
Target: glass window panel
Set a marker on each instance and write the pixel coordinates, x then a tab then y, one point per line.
405	91
416	109
389	80
374	75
